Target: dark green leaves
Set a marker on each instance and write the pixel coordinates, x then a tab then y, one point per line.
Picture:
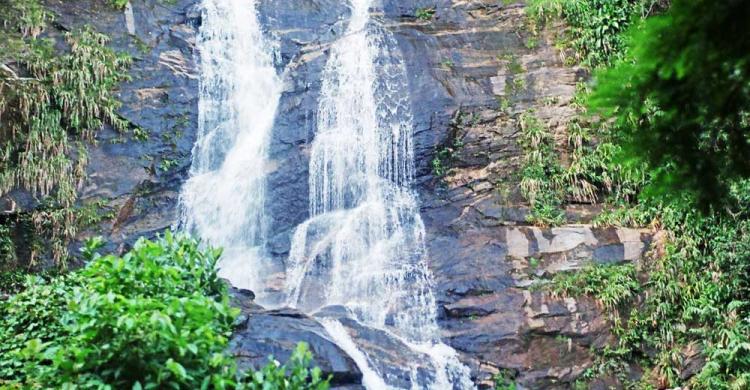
684	109
157	317
295	375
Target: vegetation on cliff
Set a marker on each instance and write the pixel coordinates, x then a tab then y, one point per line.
671	96
52	102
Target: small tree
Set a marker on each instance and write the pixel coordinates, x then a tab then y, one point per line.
682	97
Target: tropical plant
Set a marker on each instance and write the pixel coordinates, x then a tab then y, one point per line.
157	317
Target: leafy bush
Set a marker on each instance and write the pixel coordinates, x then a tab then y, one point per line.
696	292
699	292
595	171
158	317
504	381
294	376
7	248
445	154
444	157
683	101
118	4
675	107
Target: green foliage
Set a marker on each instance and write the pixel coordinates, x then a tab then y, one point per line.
444	155
93	213
504	381
514	65
425	14
683	100
594	171
696	292
21	18
40	112
515	82
622	214
158	317
596	26
11	282
540	172
147	318
438	163
699	293
31	319
51	103
7	248
118	4
531	43
295	375
672	111
611	285
167	164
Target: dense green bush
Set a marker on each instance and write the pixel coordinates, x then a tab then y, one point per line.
611	285
294	376
158	317
696	292
682	99
591	174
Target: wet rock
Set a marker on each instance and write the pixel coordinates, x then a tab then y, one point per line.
390	356
276	333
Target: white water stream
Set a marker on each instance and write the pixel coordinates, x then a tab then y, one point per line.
224	199
363	246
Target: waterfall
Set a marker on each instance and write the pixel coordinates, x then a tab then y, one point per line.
223	200
363	247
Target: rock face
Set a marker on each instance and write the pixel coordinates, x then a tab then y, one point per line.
494	315
473	69
140	175
261	334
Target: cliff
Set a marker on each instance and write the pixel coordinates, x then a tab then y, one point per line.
474	68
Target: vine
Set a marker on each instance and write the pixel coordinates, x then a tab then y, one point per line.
51	105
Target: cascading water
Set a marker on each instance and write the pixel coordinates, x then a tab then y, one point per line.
363	246
223	200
